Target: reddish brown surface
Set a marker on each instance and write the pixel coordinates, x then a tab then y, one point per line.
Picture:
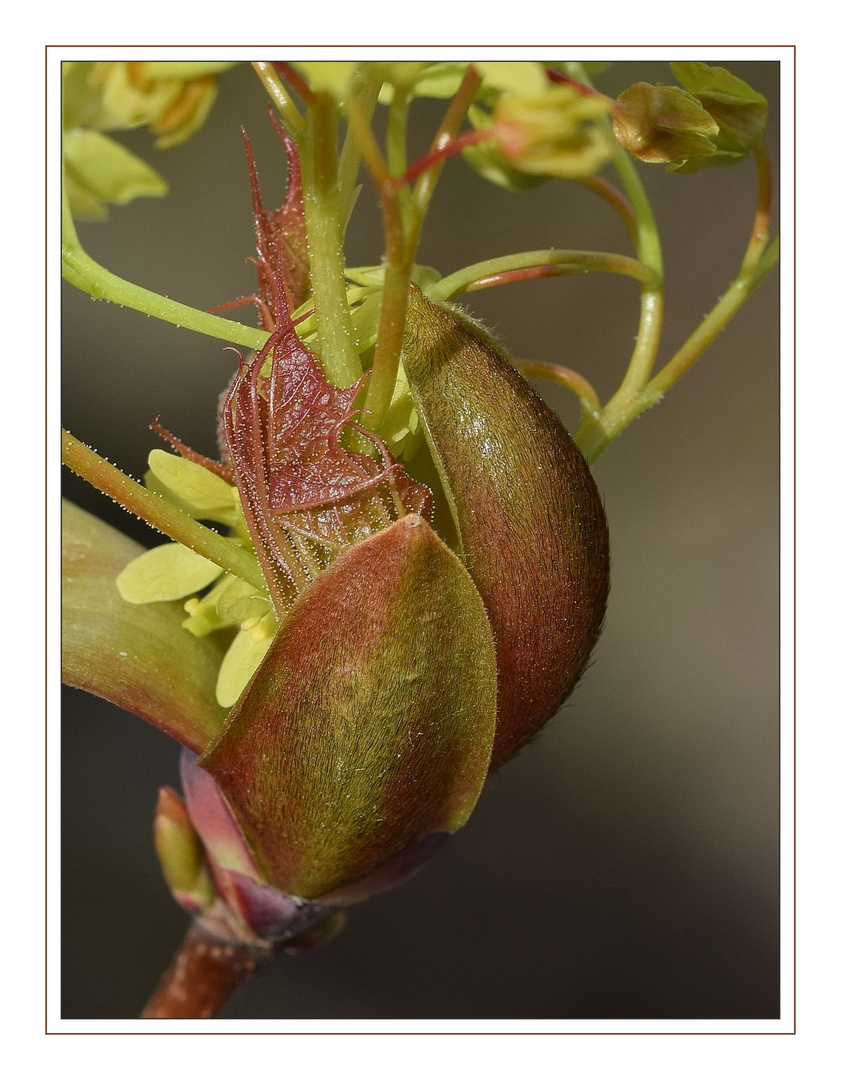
201	978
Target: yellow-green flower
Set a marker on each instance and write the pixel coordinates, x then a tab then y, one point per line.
552	132
173	572
173	99
539	133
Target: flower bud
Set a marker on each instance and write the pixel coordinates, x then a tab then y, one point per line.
173	98
551	132
739	111
180	854
530	521
663	123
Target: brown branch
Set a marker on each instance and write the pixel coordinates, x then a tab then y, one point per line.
202	976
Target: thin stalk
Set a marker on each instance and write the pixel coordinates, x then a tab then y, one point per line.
398	276
759	234
204	973
447	132
350	157
403	216
398	116
158	513
398	271
325	229
493	271
395	145
88	276
649	251
707	331
433	160
595	434
615	199
588	399
292	119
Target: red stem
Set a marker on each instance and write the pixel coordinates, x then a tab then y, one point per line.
611	195
440	154
527	273
287	72
204	973
565	80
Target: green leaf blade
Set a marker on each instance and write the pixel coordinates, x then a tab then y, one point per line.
138	657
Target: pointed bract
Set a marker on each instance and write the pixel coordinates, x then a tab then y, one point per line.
246	901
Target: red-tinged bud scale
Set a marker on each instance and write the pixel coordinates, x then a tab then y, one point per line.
531	523
370	722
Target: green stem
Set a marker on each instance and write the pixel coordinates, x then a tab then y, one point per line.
398	275
398	117
88	276
479	275
759	234
403	216
398	270
588	399
325	227
596	433
615	199
649	252
447	132
647	342
708	330
648	246
292	119
350	158
158	513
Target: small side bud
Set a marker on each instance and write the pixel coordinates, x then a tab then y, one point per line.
181	854
551	133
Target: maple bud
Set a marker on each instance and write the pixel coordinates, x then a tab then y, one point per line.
369	724
663	123
529	518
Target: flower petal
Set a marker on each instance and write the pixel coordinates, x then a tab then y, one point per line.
168	572
207	494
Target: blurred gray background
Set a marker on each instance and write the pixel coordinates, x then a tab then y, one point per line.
626	864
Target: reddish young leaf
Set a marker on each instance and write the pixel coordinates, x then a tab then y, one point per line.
305	496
